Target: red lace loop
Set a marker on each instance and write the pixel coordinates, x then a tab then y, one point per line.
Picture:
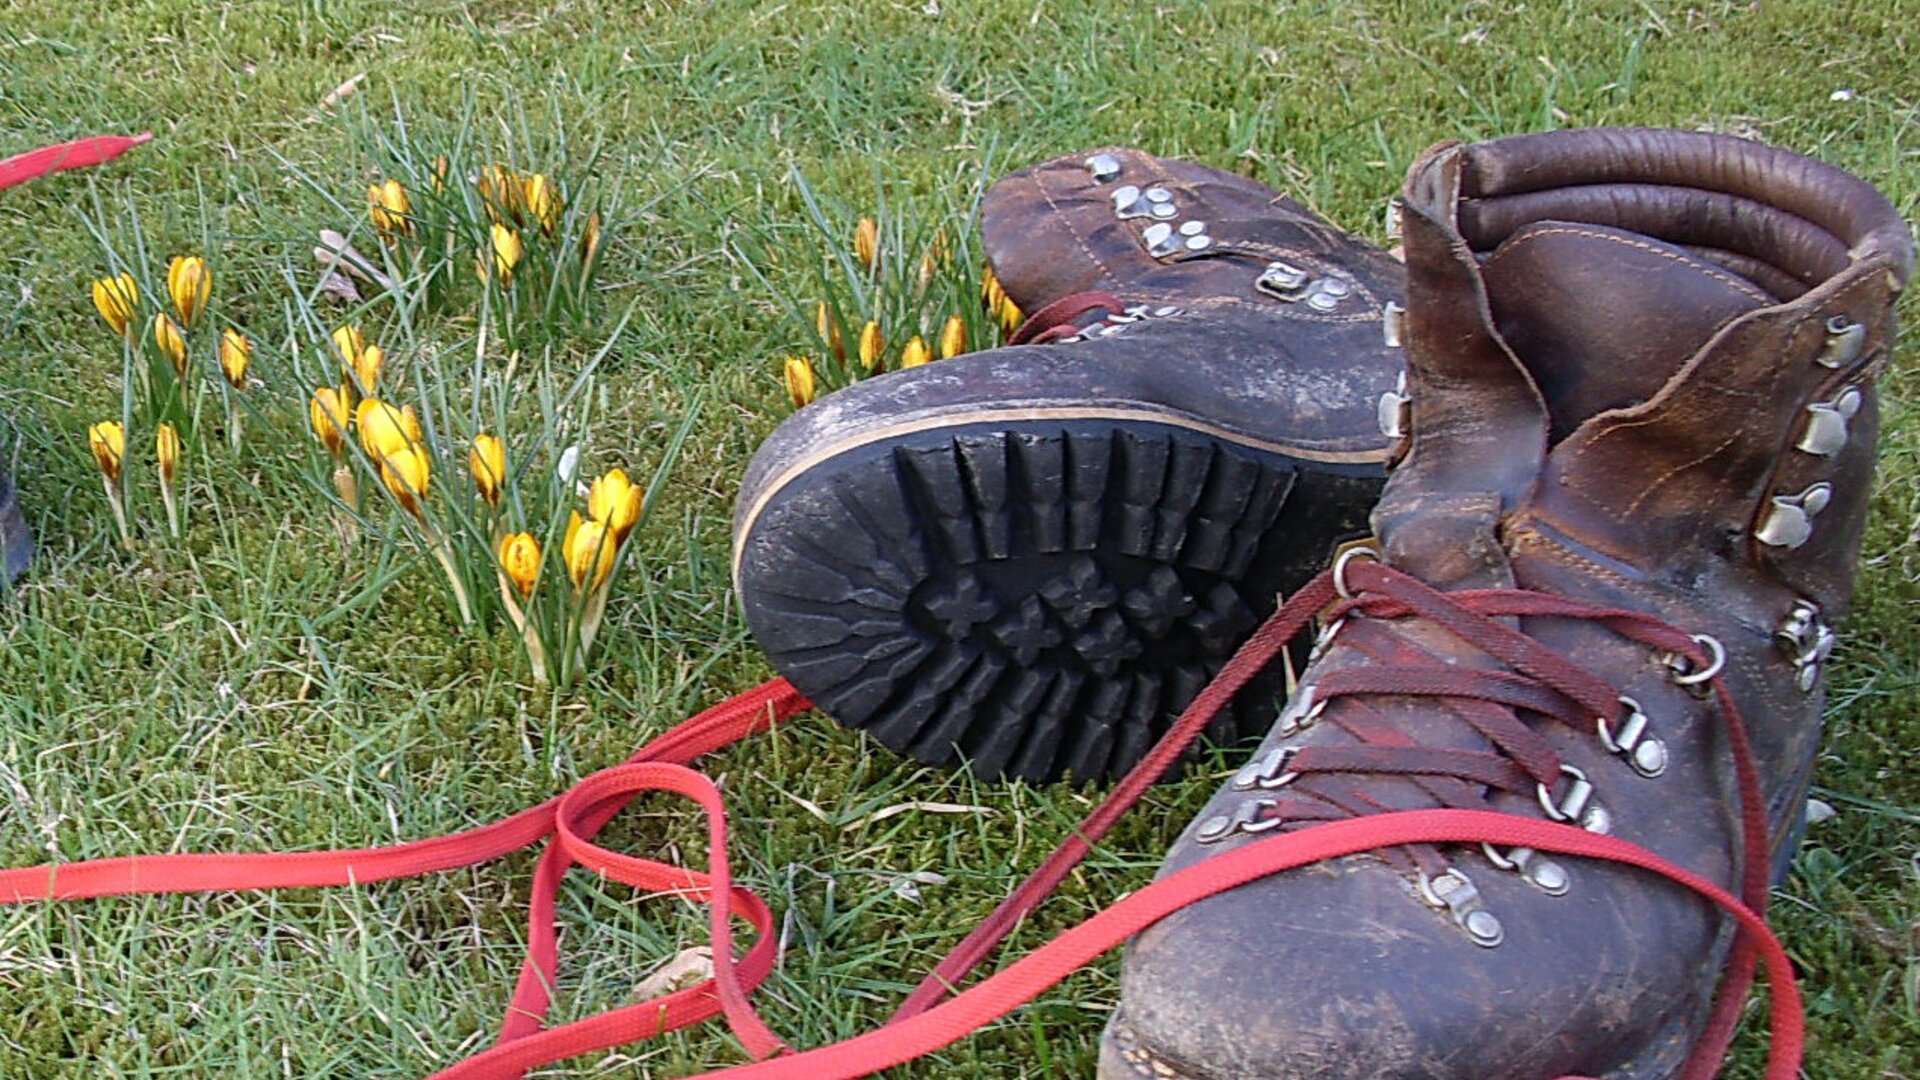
1056	320
923	1023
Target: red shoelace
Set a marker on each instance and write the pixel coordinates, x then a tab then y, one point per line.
930	1018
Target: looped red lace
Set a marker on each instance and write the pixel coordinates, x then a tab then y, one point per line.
925	1023
1058	319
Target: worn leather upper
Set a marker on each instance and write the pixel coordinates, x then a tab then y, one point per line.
1620	346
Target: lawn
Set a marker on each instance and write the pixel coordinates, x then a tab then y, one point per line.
265	680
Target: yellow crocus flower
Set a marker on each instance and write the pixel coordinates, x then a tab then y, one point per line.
407	473
236	353
117	298
614	502
829	329
953	338
173	344
866	242
541	200
520	560
872	346
590	549
390	209
914	353
108	441
488	462
327	412
349	343
383	429
507	250
166	450
801	386
189	284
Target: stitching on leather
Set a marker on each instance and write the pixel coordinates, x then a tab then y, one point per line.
1682	258
1040	184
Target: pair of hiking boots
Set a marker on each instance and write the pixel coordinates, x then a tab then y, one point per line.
1611	429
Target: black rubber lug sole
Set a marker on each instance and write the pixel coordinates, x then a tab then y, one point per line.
1039	599
16	544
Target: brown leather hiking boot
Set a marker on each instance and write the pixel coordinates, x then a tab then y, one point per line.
1642	374
1032	557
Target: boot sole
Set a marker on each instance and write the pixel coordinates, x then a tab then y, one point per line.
1039	598
16	543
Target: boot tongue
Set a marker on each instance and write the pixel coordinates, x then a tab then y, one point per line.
1603	318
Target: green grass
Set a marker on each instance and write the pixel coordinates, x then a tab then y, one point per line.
250	686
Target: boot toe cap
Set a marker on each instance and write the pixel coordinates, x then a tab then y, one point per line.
1340	972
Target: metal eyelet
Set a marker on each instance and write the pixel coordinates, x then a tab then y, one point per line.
1340	567
1103	167
1682	668
1789	523
1300	713
1455	893
1826	432
1646	754
1395	410
1268	772
1393	329
1535	869
1577	806
1246	818
1845	341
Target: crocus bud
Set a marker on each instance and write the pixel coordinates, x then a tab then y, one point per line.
390	209
437	172
872	346
166	450
327	412
542	202
488	462
590	238
953	338
614	502
108	441
173	344
383	429
590	551
236	353
507	250
800	383
117	298
866	242
366	367
349	343
189	284
914	353
829	329
520	561
407	472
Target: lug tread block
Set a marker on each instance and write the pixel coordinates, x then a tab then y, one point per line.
937	485
1041	599
1143	477
984	460
1186	478
991	744
1040	464
941	740
1089	464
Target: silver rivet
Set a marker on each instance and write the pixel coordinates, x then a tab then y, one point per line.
1127	203
1334	286
1214	828
1789	523
1548	876
1393	325
1484	928
1282	280
1650	758
1160	240
1163	211
1192	228
1199	243
1395	410
1159	195
1320	301
1826	433
1845	340
1163	312
1104	167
